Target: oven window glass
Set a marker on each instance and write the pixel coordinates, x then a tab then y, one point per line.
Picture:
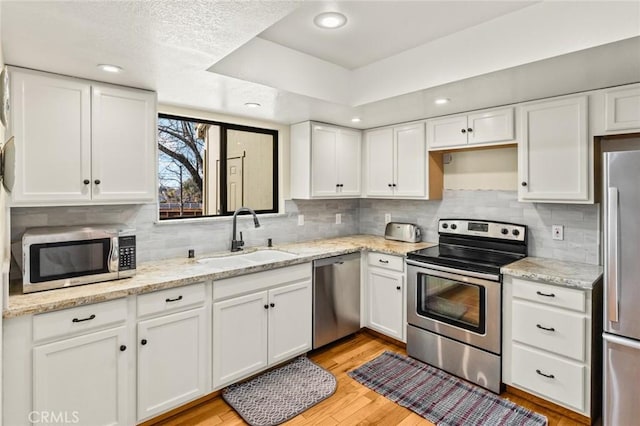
454	302
53	261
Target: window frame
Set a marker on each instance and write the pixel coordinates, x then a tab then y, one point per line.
224	127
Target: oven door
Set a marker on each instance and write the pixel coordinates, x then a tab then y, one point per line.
460	307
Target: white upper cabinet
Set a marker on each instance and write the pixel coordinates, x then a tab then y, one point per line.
553	154
396	162
78	142
622	108
325	161
482	127
123	144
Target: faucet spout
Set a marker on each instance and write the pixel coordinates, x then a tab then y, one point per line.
236	245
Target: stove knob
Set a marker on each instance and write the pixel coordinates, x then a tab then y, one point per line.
504	231
445	226
515	232
454	226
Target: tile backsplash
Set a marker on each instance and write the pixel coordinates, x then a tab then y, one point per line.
158	241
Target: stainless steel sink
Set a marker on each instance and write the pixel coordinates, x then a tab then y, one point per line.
234	261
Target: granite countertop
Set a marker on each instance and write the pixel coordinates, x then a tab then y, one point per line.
567	274
163	274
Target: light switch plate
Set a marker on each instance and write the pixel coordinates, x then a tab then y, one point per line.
557	232
387	218
338	218
300	219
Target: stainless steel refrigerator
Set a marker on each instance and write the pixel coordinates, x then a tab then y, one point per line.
621	337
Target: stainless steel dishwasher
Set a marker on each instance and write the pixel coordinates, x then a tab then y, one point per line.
336	298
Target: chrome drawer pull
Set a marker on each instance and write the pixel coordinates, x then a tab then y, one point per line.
383	261
84	319
545	294
548	376
174	300
545	328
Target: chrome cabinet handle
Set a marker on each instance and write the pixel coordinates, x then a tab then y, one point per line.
539	293
548	376
612	255
89	318
545	328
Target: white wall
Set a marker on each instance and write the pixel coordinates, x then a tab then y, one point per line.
495	169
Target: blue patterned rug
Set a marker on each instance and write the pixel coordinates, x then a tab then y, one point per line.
440	397
281	394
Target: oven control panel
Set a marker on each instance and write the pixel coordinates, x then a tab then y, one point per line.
480	228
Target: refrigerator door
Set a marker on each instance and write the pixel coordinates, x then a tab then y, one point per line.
621	381
622	244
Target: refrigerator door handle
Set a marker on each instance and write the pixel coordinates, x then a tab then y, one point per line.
621	341
612	255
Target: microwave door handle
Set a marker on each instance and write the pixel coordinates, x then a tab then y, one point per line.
613	262
114	254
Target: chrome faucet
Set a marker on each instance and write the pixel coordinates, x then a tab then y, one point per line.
236	245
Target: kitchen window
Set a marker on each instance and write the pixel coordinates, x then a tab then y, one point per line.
208	168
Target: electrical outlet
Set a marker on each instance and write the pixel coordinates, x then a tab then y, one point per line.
338	218
387	218
557	232
300	219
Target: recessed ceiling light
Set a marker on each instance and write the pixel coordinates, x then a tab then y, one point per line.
441	101
330	20
252	105
356	120
110	68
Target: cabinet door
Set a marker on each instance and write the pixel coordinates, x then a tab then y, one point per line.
553	153
52	129
324	168
385	308
622	109
491	126
124	144
379	162
172	362
349	158
411	159
289	321
83	378
239	337
448	131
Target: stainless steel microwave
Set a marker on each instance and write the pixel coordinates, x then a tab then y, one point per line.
67	256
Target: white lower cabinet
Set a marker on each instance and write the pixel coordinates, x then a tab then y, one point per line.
260	320
172	361
82	380
550	338
385	295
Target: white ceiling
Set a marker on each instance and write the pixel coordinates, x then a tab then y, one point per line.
169	46
379	29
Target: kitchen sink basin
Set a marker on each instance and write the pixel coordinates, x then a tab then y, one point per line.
264	256
244	260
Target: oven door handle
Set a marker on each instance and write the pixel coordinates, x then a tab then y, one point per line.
457	272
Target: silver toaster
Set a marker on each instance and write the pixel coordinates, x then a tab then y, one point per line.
406	232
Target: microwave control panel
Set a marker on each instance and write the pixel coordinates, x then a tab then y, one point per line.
127	253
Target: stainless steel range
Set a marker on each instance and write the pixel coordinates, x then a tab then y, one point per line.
454	299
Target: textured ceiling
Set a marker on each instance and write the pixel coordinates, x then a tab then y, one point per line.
168	46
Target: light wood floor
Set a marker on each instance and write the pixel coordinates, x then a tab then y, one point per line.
352	404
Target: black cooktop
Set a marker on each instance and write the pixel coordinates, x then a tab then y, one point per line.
465	258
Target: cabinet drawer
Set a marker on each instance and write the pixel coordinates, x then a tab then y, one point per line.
566	385
386	261
172	299
549	294
552	330
79	320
